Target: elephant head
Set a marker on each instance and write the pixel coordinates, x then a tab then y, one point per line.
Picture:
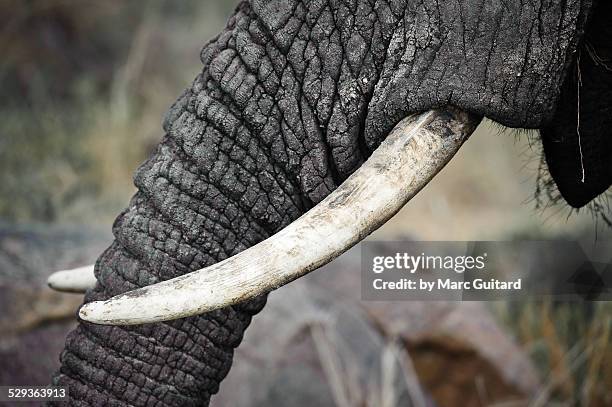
291	117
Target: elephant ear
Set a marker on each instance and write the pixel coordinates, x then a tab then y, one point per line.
578	142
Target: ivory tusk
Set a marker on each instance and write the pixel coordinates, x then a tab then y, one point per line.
77	280
412	154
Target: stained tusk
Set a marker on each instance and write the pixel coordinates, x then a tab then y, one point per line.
73	281
411	155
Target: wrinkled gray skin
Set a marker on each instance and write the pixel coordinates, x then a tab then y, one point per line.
292	98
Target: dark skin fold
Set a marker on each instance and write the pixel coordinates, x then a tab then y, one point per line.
292	98
584	109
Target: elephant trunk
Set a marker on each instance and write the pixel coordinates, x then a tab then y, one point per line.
212	188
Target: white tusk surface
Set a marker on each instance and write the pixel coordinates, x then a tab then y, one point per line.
73	281
411	155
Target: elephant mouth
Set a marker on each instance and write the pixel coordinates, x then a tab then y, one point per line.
410	156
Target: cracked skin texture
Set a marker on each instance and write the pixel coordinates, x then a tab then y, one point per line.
292	98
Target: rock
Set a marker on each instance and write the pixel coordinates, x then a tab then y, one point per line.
34	320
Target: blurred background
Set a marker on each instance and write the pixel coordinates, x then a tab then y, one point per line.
84	85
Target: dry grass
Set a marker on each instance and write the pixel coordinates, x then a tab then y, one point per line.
87	85
571	344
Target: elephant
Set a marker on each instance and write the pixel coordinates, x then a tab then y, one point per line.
293	99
